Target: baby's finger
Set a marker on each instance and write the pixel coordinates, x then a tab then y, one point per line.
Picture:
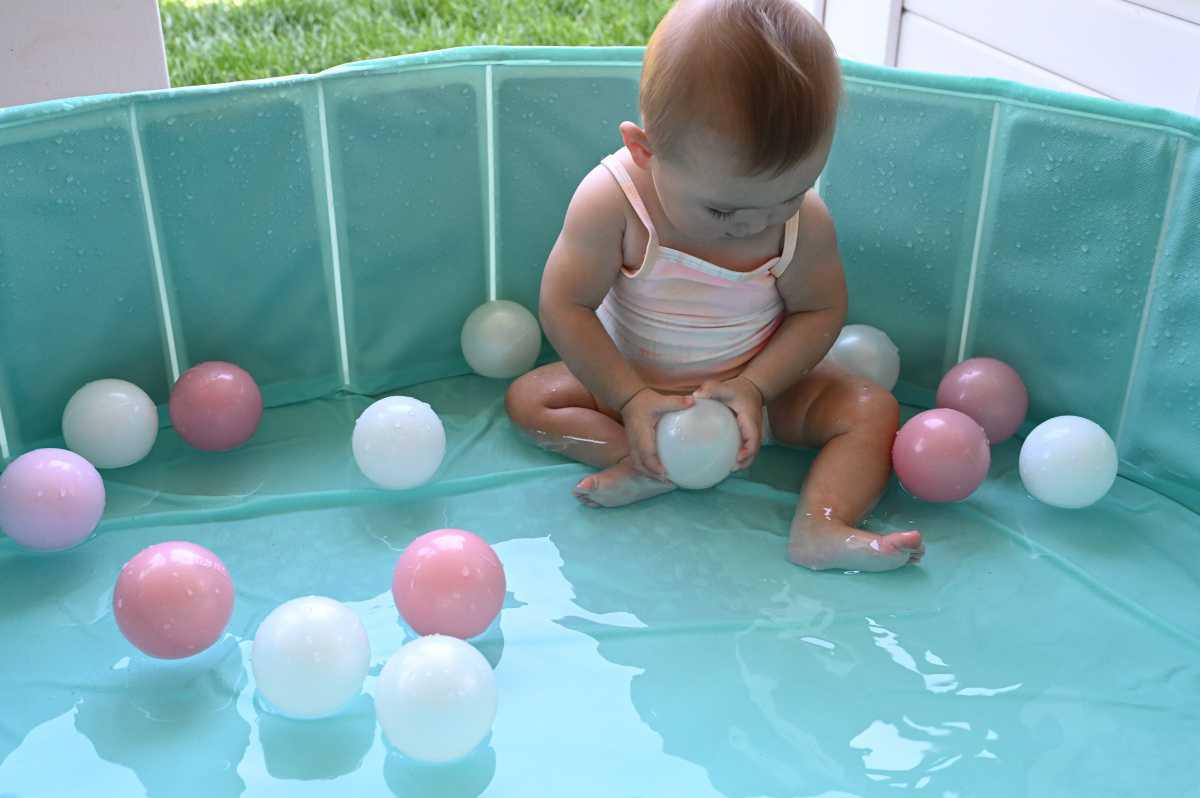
751	438
646	453
657	469
708	390
748	455
671	404
635	460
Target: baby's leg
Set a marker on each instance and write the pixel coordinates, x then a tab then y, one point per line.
853	422
555	409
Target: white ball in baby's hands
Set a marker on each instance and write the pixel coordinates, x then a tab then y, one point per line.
699	446
501	339
867	352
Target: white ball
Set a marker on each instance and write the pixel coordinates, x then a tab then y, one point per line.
867	352
501	339
1068	462
699	446
399	442
110	423
310	657
436	699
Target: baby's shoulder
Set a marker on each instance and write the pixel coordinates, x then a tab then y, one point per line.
814	214
815	225
816	243
598	206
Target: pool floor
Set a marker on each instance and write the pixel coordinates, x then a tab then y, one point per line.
665	649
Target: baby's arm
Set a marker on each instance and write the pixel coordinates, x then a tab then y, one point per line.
584	264
814	295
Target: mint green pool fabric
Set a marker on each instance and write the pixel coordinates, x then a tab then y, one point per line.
330	233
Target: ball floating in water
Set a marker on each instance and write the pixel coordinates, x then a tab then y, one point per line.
699	446
989	391
436	699
941	455
216	406
399	442
1068	462
310	657
173	599
501	339
110	423
867	352
449	582
50	499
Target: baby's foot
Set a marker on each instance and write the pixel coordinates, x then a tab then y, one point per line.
619	485
821	545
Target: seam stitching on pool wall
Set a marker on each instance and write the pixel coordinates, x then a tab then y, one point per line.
969	300
160	275
335	255
4	450
1140	344
489	121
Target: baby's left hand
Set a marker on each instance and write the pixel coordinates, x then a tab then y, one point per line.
745	400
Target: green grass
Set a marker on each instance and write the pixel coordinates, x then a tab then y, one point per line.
213	41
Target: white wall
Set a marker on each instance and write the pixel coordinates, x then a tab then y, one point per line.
66	48
1146	51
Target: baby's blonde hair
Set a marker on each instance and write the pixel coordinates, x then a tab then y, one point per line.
760	73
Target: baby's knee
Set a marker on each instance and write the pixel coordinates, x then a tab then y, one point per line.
874	406
522	401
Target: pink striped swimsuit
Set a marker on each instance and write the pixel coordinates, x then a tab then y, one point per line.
680	320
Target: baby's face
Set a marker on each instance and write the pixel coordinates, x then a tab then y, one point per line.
706	196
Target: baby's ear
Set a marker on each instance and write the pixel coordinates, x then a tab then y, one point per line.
638	144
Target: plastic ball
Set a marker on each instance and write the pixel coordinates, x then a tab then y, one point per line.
50	499
216	406
941	455
111	423
501	339
399	442
990	392
1068	462
699	446
449	582
436	699
173	599
867	352
310	657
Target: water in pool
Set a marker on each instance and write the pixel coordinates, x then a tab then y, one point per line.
665	649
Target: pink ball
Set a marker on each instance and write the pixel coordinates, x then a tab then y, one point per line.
449	582
988	391
173	599
941	456
216	406
50	499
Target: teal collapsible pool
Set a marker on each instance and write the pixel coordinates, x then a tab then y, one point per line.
331	233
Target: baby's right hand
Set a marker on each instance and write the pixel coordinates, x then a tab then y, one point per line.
641	415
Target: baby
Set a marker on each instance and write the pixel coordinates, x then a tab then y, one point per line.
697	262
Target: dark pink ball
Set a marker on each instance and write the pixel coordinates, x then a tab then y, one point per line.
990	392
449	582
173	599
216	406
941	456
